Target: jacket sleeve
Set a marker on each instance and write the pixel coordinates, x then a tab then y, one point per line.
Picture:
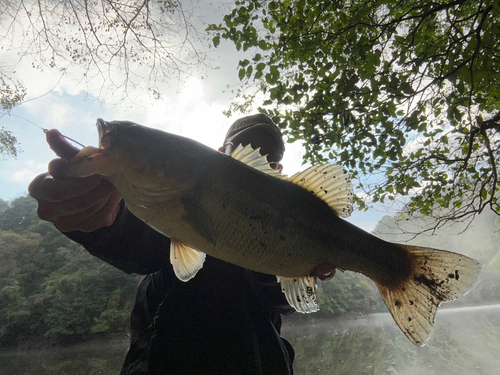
269	293
129	244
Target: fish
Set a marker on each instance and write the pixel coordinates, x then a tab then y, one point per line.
238	209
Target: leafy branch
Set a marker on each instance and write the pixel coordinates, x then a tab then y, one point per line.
394	90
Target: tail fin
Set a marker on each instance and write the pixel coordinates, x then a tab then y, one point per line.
438	276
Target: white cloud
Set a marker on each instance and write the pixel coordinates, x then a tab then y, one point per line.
192	108
23	172
55	111
15	176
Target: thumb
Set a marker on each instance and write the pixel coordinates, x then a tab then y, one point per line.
60	145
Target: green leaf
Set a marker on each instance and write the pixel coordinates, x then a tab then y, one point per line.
263	45
382	83
241	74
216	40
244	63
249	71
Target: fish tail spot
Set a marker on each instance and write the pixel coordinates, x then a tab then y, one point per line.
432	281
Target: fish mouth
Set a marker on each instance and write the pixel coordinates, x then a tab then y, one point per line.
106	133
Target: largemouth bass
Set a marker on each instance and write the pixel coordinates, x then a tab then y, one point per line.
238	209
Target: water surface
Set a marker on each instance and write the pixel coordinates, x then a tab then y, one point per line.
465	341
89	358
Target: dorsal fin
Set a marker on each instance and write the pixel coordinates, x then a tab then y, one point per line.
329	182
254	159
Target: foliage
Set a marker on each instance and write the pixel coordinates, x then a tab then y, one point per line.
349	293
8	144
85	296
18	215
50	286
403	93
109	46
11	95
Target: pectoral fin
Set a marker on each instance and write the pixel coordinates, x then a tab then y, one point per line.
200	221
300	292
185	260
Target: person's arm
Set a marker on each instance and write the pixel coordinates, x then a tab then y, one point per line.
129	244
268	291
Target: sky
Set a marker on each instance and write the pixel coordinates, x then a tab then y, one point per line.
193	108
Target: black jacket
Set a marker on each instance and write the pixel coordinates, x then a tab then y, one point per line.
226	320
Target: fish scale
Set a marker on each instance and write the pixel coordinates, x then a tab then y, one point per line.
246	213
262	222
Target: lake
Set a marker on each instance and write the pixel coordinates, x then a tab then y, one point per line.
465	341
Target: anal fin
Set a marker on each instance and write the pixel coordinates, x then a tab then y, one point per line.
185	260
300	292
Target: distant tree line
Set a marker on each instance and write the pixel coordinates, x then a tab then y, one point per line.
50	287
52	290
480	241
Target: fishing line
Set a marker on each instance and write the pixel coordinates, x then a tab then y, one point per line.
46	130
